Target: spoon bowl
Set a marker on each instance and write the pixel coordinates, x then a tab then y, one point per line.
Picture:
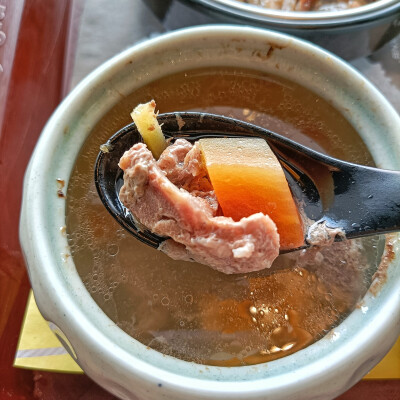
336	199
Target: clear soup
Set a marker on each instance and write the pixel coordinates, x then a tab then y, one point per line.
188	310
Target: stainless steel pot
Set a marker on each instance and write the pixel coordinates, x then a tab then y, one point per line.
350	33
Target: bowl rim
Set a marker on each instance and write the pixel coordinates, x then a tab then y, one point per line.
49	290
306	19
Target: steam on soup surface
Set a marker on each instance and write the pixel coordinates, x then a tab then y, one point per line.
188	310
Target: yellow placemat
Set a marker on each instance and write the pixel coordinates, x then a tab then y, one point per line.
389	367
39	348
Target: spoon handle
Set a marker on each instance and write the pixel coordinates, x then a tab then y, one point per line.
366	200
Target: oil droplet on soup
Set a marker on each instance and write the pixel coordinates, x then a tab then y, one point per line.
188	310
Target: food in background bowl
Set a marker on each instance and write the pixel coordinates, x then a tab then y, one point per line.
185	309
308	5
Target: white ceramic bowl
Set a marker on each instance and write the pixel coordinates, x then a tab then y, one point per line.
119	363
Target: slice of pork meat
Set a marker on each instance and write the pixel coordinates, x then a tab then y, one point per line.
250	244
172	162
181	162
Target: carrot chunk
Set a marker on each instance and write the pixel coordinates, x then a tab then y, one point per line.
247	179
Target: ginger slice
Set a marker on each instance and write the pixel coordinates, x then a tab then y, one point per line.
145	118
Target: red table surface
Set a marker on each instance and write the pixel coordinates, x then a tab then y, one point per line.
35	85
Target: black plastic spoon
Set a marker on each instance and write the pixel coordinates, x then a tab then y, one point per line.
359	200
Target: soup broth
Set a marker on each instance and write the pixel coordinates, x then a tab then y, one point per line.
188	310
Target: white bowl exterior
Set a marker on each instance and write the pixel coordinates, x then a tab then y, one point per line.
107	354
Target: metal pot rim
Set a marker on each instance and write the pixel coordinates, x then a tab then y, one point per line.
306	19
